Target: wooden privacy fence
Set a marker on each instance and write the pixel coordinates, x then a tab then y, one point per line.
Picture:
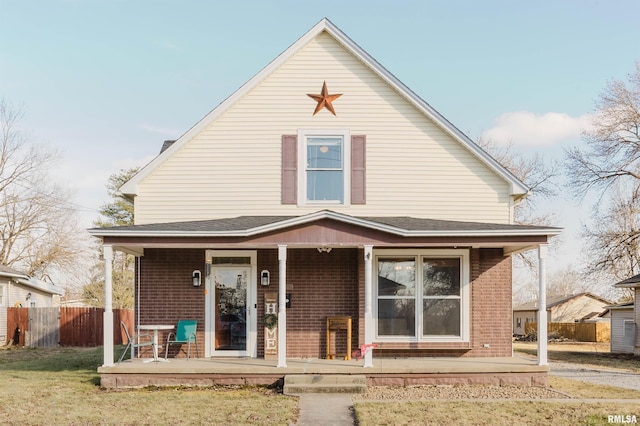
578	331
50	327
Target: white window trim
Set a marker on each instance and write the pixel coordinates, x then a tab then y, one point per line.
465	293
302	169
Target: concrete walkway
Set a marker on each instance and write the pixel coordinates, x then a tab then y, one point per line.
325	409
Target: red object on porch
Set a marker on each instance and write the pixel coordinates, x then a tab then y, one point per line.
364	348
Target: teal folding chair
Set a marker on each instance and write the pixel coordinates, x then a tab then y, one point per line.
136	341
185	333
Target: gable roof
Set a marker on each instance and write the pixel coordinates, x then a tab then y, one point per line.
245	226
558	300
517	187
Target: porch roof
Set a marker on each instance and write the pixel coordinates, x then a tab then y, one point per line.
348	231
252	225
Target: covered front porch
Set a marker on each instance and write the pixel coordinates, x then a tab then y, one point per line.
333	265
498	371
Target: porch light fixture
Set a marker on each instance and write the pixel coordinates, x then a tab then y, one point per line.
324	249
28	296
195	276
264	278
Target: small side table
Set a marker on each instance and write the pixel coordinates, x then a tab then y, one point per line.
155	328
336	324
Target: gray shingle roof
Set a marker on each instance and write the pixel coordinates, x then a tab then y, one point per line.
629	282
7	271
257	224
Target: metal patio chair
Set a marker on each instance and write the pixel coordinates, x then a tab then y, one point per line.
135	341
185	333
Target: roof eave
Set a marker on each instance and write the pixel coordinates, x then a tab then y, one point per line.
301	220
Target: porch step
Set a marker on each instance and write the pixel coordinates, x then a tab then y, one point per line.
324	383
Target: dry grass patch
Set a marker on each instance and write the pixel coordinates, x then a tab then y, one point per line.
466	405
586	354
60	386
490	413
580	389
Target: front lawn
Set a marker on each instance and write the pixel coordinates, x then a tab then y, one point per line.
60	386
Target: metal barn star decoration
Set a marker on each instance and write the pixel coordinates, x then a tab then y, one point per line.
324	99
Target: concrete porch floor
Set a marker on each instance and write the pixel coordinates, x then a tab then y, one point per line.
507	371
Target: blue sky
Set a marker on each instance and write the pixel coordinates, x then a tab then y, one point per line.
107	81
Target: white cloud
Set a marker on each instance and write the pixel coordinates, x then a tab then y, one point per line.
527	128
159	130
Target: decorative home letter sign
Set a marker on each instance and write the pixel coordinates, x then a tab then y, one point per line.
270	322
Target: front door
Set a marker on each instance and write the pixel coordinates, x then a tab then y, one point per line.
231	309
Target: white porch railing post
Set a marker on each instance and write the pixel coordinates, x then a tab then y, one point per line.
282	306
368	293
108	306
542	304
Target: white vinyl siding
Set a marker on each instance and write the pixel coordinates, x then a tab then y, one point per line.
233	167
619	342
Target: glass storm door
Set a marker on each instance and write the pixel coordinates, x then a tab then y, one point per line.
230	297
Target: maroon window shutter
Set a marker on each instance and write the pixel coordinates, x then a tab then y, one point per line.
289	168
358	169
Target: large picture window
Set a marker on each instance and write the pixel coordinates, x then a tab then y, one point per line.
435	309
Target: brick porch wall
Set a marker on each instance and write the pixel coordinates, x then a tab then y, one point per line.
327	284
167	293
321	285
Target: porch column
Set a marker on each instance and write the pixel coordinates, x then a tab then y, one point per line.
368	317
107	317
282	306
542	304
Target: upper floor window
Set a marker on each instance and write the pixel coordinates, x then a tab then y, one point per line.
323	176
325	169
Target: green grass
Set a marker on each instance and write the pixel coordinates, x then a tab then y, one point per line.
60	386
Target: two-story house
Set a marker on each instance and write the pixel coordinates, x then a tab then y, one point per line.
324	187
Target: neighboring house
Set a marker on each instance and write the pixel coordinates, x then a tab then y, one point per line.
626	331
20	290
327	182
622	328
573	308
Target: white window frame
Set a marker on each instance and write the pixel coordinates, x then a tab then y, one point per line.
303	134
465	293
